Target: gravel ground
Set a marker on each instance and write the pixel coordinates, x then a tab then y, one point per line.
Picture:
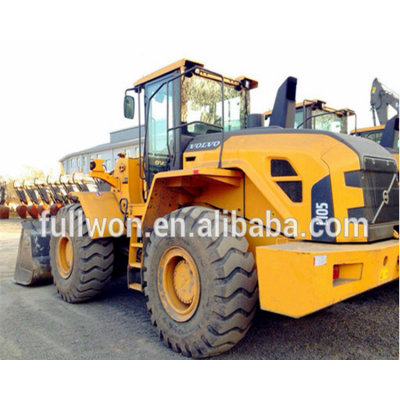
36	324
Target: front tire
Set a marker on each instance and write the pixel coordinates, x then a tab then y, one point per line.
201	291
81	267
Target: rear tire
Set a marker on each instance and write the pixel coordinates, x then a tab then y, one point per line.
81	267
218	288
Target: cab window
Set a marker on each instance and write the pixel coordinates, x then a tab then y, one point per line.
157	122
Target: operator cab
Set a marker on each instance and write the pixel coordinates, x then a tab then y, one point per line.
182	101
316	115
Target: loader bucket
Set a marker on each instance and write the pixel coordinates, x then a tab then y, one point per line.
22	209
42	207
55	208
33	261
33	211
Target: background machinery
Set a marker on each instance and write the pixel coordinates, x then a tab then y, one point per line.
4	210
381	98
387	132
206	158
33	260
315	114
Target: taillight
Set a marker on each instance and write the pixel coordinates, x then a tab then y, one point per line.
335	272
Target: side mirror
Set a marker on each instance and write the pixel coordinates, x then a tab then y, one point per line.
129	107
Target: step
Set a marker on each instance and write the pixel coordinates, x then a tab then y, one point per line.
135	265
137	244
135	286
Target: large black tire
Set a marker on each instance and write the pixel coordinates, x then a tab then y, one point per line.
92	261
228	287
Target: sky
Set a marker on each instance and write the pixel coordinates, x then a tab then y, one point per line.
64	93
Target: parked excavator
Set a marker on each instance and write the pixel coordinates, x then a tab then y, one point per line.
381	98
387	132
206	161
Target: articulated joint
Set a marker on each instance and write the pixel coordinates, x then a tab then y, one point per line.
97	171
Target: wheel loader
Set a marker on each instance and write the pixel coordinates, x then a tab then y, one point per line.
315	114
206	163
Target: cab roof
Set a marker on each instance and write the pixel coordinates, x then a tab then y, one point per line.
377	128
181	65
320	104
185	64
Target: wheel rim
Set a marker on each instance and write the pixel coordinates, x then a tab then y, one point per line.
65	257
178	284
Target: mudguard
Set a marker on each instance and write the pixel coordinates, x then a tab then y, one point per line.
100	206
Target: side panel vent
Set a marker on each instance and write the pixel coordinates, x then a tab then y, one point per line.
293	189
282	168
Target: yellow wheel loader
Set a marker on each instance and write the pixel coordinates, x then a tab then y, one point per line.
206	165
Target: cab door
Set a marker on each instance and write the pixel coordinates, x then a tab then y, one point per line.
161	106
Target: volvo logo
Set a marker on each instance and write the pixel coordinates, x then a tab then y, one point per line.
209	145
385	198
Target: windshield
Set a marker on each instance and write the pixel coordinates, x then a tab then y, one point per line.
202	101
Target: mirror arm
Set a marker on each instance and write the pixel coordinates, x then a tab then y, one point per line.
129	90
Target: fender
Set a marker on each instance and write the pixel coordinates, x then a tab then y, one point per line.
99	206
172	189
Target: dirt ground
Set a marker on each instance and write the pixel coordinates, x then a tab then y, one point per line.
36	324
